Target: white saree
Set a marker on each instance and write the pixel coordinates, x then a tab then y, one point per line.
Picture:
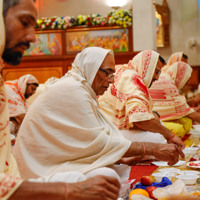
64	130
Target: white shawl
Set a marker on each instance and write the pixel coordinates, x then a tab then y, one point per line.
64	129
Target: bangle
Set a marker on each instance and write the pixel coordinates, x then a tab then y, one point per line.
172	135
156	113
144	149
65	196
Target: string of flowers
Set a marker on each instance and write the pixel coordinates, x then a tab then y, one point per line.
115	17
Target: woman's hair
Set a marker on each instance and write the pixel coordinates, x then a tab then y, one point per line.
9	4
185	56
162	60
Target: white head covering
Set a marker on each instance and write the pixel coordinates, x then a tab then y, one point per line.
16	90
86	65
144	64
180	72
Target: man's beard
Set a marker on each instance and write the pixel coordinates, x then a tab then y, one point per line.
13	57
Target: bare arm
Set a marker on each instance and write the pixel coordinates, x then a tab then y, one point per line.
98	188
195	116
39	191
164	152
155	126
20	118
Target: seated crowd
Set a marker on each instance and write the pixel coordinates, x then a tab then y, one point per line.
78	138
52	141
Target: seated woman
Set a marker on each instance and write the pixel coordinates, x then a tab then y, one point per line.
169	103
18	91
64	129
40	88
127	102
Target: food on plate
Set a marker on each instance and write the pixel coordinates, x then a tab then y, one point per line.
194	164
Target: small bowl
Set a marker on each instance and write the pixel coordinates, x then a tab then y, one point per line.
159	176
188	179
195	129
188	172
170	170
190	150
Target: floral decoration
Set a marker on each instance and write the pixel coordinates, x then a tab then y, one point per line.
120	18
115	17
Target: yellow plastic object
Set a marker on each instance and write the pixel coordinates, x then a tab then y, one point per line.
139	191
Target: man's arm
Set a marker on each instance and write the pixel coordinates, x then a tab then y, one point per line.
98	188
155	126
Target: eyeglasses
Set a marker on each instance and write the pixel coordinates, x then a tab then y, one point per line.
157	71
108	74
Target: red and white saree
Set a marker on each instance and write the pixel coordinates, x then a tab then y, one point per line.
167	100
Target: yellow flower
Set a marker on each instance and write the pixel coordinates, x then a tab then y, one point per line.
39	21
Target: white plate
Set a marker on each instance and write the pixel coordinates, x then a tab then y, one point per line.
164	164
195	162
171	170
189	172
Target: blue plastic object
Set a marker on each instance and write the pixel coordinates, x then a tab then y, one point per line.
165	182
